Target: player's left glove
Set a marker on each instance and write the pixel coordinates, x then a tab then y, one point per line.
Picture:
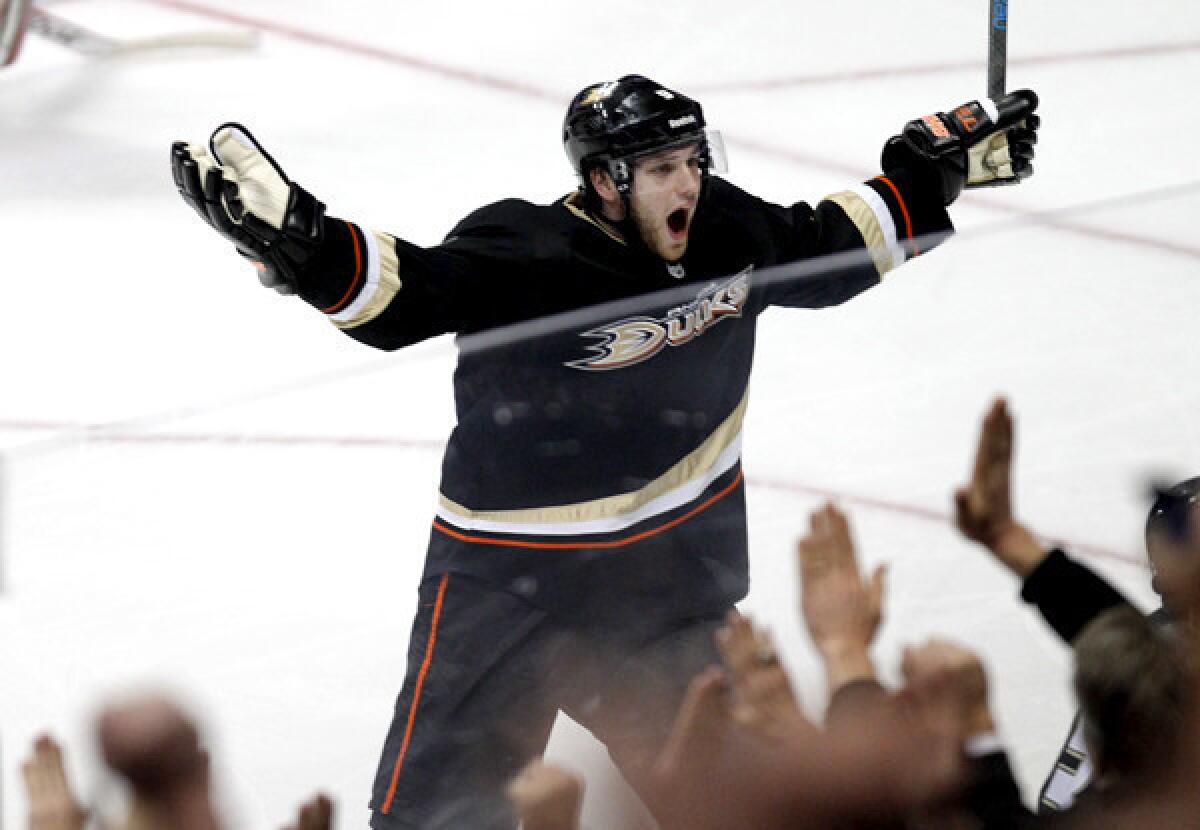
239	190
980	144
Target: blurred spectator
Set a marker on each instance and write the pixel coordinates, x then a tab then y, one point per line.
1071	597
1132	681
1164	526
154	747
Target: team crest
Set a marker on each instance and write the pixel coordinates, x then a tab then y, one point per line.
638	339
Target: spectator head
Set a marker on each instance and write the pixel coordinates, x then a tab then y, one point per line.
1133	683
1168	536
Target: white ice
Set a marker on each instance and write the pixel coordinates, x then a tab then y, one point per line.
272	584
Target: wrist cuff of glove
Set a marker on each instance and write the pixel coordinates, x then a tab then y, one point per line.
942	176
916	199
334	273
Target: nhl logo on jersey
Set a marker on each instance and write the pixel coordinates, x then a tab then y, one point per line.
638	339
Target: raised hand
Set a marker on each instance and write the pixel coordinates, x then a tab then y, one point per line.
763	701
841	610
948	679
316	814
547	797
52	805
983	508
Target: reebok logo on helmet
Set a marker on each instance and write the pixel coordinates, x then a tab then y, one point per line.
676	123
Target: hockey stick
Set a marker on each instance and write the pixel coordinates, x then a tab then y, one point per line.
14	18
89	42
997	47
19	15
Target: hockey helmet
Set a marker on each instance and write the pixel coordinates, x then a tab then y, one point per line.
610	124
1171	513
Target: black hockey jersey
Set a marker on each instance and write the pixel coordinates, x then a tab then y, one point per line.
596	458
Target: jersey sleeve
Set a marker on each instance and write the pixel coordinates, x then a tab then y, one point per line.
1068	594
863	232
389	293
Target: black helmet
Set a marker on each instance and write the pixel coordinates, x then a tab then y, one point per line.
1172	508
609	123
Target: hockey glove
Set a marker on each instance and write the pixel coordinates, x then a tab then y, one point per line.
238	188
980	144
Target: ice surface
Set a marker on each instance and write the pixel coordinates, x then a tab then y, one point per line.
251	534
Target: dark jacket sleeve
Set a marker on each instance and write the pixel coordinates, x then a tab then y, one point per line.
388	293
1068	594
852	238
992	794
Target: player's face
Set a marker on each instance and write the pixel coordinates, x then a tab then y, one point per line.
1175	569
666	188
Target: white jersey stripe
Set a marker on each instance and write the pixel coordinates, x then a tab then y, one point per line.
370	284
665	503
883	216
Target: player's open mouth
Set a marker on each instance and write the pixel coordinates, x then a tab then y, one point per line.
677	223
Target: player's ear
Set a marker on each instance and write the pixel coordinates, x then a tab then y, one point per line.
604	186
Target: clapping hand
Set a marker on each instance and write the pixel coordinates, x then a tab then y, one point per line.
841	610
763	701
983	508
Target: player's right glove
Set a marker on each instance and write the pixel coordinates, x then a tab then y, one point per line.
238	188
980	144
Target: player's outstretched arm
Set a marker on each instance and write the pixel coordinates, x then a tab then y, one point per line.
349	273
979	144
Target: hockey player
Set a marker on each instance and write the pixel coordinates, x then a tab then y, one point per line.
590	534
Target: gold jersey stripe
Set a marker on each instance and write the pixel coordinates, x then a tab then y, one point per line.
385	290
867	222
691	467
572	203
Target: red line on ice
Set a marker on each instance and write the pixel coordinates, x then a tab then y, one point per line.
1148	50
530	91
103	435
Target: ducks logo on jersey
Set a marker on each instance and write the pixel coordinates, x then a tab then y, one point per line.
637	339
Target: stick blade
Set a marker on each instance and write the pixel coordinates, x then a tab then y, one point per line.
14	20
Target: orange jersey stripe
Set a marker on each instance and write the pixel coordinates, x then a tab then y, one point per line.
908	232
613	543
412	709
340	304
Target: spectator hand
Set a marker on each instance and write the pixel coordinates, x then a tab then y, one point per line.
948	686
983	508
763	701
840	609
546	797
52	805
317	814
